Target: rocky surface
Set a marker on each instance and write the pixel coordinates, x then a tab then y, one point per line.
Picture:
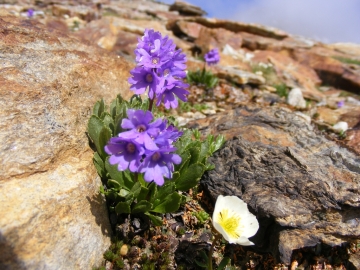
51	214
303	187
299	176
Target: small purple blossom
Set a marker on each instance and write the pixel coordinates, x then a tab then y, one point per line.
30	13
340	104
146	147
168	96
160	69
159	164
125	153
143	78
212	57
142	131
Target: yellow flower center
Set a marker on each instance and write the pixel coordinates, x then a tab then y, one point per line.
231	223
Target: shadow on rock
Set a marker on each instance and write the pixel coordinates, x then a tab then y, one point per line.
97	208
8	258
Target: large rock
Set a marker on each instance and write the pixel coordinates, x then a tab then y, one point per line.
51	215
235	26
187	9
303	188
330	70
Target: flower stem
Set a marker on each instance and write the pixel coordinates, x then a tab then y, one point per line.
211	251
151	104
136	175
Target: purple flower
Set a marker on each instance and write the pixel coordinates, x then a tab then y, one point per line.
167	135
340	104
143	78
125	153
30	13
159	164
142	131
212	57
168	96
160	68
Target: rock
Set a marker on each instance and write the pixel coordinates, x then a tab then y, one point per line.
238	76
189	29
292	73
51	215
330	70
217	38
235	26
255	42
296	99
187	9
340	127
303	188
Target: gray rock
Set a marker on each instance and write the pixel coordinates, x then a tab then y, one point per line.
303	188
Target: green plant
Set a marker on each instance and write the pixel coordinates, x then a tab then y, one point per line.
201	216
202	78
281	90
128	192
187	107
346	60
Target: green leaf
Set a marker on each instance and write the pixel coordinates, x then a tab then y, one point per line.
123	193
141	207
123	207
99	108
99	165
171	203
165	190
136	189
108	121
185	159
125	182
157	221
190	176
153	191
224	262
143	193
219	142
195	153
99	133
113	184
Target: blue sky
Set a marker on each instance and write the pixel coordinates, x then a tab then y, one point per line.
328	21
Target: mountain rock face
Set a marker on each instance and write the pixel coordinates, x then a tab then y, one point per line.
51	214
299	177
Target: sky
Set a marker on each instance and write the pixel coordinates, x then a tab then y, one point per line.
328	21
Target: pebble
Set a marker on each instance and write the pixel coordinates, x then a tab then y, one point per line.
296	99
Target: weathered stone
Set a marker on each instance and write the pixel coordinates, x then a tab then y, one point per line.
236	27
187	9
331	71
303	188
255	42
217	38
238	76
51	215
189	29
292	73
295	98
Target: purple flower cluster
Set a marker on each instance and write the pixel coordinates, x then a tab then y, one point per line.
146	147
212	57
160	69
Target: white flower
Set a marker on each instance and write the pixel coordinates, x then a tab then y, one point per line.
233	220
